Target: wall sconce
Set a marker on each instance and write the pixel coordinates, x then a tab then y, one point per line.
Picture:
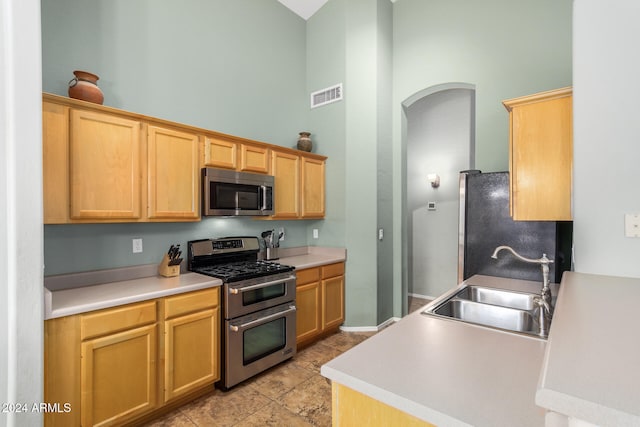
434	179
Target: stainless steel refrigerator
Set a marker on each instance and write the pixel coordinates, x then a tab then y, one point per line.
485	224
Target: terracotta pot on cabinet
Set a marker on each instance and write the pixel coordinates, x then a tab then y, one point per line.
84	86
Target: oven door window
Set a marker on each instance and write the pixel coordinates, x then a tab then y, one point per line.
267	293
234	196
263	340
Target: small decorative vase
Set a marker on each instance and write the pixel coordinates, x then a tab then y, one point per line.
84	86
304	141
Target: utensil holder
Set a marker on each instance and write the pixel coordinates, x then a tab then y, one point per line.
272	254
167	270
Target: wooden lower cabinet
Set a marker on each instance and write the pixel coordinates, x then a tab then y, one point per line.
308	305
351	408
319	302
117	365
118	376
191	342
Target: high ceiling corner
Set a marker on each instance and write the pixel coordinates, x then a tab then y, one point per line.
304	8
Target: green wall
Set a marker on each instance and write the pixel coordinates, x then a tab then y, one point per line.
504	48
246	67
238	67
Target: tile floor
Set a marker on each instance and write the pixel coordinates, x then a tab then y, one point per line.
290	394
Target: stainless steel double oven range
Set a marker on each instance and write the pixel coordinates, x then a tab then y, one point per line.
259	328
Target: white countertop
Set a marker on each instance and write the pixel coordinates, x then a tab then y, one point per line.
87	298
447	372
314	257
591	371
76	292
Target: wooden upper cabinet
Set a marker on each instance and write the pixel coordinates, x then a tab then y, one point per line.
541	156
104	166
312	187
173	174
101	164
228	152
286	171
299	185
55	162
220	153
254	158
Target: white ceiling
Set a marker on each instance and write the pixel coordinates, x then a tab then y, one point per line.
304	8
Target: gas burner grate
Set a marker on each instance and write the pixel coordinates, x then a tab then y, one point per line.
234	271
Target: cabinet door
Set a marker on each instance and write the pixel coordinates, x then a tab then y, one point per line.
191	352
333	302
55	163
312	188
220	153
541	156
118	376
173	187
286	170
308	312
254	158
105	166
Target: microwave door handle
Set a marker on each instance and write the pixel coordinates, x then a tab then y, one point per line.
263	189
236	328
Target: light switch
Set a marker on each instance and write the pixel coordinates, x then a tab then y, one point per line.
632	225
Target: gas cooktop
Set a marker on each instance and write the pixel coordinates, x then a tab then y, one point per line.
231	259
235	271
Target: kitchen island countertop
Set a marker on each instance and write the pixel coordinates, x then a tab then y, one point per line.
591	370
448	372
457	374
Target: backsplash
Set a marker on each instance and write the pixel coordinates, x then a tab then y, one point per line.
72	248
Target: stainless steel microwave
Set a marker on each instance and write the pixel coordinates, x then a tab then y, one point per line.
231	193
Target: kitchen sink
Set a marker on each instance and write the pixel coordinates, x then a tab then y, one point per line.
503	298
489	315
491	307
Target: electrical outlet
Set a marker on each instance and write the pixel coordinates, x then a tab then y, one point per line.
281	233
315	233
632	225
137	246
380	234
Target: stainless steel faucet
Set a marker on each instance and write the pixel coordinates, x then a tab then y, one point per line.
544	300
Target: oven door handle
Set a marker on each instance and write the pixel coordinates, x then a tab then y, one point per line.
259	285
237	328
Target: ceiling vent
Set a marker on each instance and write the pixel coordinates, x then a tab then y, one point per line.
326	96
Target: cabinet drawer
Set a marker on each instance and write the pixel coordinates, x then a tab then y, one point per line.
333	270
307	276
117	319
190	302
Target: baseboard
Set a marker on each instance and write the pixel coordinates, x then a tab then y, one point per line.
378	328
422	296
